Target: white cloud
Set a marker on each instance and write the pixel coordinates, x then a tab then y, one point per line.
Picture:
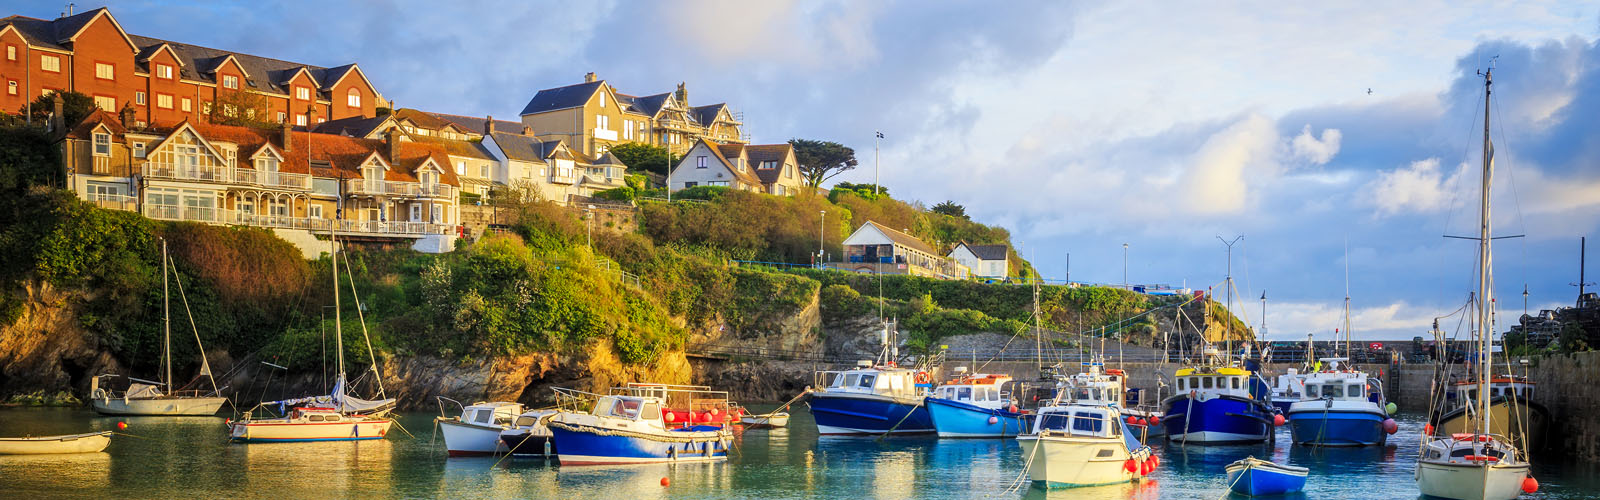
1418	187
1293	320
1218	177
1309	148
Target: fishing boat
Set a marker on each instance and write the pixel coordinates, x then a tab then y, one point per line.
630	427
1072	445
477	430
1254	477
1511	408
767	420
877	397
338	416
1218	405
529	436
146	397
1287	390
90	442
1479	464
1342	407
974	405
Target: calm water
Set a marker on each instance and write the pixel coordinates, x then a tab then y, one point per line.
189	457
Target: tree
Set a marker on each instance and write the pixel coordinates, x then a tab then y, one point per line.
950	208
1573	338
77	106
822	160
639	156
245	109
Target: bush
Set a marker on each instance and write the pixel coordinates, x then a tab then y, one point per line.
624	193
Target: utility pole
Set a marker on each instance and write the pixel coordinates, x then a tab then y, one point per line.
1228	342
1069	269
1583	247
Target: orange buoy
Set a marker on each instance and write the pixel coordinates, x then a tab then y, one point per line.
1277	420
1155	420
665	482
122	426
1390	426
1129	466
1530	485
1427	429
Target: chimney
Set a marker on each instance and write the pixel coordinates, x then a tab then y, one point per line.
682	95
58	115
527	131
126	115
311	117
589	77
391	143
488	125
288	135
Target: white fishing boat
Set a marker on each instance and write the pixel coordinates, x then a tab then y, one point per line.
338	416
477	430
91	442
146	397
1075	445
1477	465
530	435
766	420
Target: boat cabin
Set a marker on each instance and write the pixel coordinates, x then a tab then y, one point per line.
645	410
879	380
983	390
496	414
1093	387
1507	386
684	404
1338	381
1079	420
1230	381
309	414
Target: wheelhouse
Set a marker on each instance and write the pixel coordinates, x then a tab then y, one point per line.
883	381
1222	381
1507	386
982	389
500	414
1078	420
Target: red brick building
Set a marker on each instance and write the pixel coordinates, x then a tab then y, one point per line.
166	82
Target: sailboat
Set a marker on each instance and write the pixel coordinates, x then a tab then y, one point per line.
147	397
338	416
1477	464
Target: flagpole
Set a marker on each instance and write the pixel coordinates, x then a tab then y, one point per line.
878	137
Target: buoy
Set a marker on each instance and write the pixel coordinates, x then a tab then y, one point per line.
1391	408
665	482
993	420
671	416
1530	485
1156	460
122	426
1155	420
1129	466
1277	420
1390	426
1427	429
1132	420
1142	421
1013	408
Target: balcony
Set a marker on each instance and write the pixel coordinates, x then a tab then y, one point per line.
114	201
313	224
400	188
600	133
227	175
671	124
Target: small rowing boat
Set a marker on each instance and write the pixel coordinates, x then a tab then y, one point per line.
766	420
93	442
1256	477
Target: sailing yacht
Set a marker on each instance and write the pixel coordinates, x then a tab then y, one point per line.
146	397
338	416
1477	465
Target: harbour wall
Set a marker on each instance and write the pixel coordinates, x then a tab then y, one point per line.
1569	387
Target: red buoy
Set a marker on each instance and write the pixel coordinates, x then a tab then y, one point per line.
1155	420
1277	420
1155	460
1390	426
1131	420
1530	485
1129	466
1427	429
1142	421
122	426
665	482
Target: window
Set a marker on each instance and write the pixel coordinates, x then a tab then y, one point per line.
230	110
602	122
717	183
230	81
138	98
1333	391
164	71
300	120
652	411
102	191
768	165
302	93
11	87
964	394
702	162
353	98
105	71
483	171
1312	391
186	107
867	380
1235	382
282	117
688	185
602	99
627	129
1206	382
314	211
267	164
138	150
788	170
164	101
11	52
50	63
1353	391
205	108
438	214
1087	422
461	167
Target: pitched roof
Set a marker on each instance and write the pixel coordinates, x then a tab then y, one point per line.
99	116
353	126
474	124
768	152
570	96
607	159
986	252
706	114
723	151
424	119
902	239
648	105
521	147
452	147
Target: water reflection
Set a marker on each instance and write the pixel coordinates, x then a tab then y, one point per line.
50	473
316	468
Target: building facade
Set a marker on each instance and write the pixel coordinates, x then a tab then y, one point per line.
874	248
985	261
765	168
166	82
591	117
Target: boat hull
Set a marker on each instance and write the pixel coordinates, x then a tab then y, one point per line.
1264	480
466	439
1506	418
587	445
166	407
277	431
766	420
848	414
1470	481
93	442
954	419
1075	461
1220	420
1338	427
526	444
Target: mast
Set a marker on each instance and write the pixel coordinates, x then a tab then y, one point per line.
338	324
1485	266
1038	338
166	310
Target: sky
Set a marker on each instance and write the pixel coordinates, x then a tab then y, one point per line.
1342	140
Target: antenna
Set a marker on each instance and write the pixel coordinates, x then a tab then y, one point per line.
1583	247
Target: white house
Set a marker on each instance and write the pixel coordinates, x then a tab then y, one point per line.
874	248
710	164
985	261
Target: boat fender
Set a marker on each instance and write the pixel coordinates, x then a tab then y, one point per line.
1277	421
1155	420
1391	408
1390	427
1481	458
1131	420
993	420
1141	422
1530	485
1129	466
665	482
670	416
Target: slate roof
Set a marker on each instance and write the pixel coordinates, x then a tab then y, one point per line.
452	147
707	114
608	159
768	152
723	152
354	126
570	96
474	124
987	252
903	239
648	105
426	120
521	147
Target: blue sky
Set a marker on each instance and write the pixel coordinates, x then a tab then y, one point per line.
1079	126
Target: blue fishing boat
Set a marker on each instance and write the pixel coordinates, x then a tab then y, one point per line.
1256	477
629	427
1219	405
871	400
1341	407
974	405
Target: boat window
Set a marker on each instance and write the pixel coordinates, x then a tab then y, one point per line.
965	394
1354	390
1333	391
1086	421
652	411
1235	382
1206	382
1180	383
625	408
1472	394
850	380
980	394
484	416
526	420
1098	396
333	418
316	418
867	380
1054	421
1312	391
1461	452
835	379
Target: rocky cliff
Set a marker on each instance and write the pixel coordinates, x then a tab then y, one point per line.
47	349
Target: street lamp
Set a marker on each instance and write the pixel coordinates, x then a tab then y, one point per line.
588	218
822	232
1125	266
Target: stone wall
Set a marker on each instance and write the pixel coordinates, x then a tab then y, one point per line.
1569	386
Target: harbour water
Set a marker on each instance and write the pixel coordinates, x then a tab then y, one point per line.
190	458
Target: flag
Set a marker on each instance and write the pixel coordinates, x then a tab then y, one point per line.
880	134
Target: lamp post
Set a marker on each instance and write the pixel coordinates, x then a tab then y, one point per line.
588	218
1125	266
822	232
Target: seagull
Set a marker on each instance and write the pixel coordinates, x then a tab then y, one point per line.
1369	90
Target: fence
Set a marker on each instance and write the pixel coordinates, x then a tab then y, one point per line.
706	350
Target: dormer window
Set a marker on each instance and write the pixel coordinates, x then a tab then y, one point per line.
102	144
428	178
267	164
372	172
230	81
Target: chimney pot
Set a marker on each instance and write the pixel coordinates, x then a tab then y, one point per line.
58	115
488	125
589	77
391	142
526	130
127	115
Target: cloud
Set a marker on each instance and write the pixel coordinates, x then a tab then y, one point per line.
1415	188
1316	151
1219	177
1293	320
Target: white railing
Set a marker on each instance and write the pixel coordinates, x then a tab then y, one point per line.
226	175
400	188
315	224
600	133
114	201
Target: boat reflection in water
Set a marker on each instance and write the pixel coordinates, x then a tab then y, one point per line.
313	469
1149	489
80	470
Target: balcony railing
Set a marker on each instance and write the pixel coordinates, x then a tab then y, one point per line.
314	224
600	133
114	201
226	175
400	188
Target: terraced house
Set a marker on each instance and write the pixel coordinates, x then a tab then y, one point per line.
166	81
298	183
591	117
